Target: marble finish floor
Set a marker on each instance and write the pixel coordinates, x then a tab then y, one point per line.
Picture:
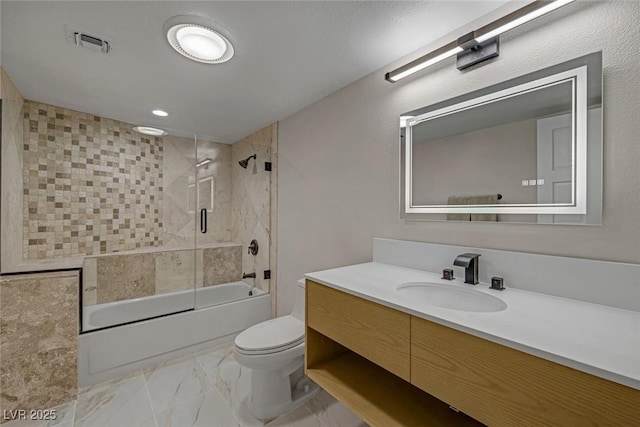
206	389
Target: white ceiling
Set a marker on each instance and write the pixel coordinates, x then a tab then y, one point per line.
288	55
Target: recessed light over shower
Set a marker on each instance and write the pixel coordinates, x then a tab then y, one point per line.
195	38
244	163
150	131
159	113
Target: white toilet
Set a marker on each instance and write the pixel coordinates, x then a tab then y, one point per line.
274	351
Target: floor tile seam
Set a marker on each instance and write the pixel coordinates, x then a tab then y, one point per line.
317	416
153	412
322	423
215	348
182	360
185	402
73	414
150	370
178	403
198	364
209	376
115	384
215	387
228	405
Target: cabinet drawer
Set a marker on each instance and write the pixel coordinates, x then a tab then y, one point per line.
500	386
376	332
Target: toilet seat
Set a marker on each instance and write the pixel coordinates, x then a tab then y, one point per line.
272	336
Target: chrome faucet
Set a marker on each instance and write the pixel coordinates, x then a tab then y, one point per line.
470	264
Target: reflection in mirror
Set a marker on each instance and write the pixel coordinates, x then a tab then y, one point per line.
527	150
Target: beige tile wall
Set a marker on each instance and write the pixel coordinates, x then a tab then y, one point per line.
116	277
217	172
91	185
251	205
176	270
38	340
180	215
12	182
222	265
122	277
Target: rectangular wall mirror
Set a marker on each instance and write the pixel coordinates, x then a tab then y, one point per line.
525	150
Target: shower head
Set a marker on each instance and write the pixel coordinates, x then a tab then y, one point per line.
245	162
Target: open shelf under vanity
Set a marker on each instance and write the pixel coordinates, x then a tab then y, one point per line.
374	394
392	369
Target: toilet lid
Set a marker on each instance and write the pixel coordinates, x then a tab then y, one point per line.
280	333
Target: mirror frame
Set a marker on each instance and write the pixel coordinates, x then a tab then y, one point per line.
581	73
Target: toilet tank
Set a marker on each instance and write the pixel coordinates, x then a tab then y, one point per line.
298	303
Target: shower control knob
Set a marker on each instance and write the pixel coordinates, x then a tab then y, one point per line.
253	247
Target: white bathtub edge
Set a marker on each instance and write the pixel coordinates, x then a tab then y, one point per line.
110	353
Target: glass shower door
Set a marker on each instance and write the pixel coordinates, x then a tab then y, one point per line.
147	269
232	192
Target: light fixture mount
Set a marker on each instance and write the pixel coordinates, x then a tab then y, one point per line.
199	38
474	52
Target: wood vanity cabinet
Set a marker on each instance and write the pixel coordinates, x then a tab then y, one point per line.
376	332
394	369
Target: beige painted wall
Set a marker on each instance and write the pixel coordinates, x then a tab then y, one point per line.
339	159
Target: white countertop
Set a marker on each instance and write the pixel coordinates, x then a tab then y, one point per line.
597	339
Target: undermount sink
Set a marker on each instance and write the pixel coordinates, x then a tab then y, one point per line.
454	298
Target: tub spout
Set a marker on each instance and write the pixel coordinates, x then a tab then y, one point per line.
248	275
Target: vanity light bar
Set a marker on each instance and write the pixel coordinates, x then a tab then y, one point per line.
517	18
423	62
477	37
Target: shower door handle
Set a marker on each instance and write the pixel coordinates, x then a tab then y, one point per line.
203	220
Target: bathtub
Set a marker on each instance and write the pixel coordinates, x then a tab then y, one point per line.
104	354
121	312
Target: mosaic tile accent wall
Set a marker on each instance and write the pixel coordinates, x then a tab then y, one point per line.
91	185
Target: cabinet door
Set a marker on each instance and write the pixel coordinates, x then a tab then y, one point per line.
374	331
500	386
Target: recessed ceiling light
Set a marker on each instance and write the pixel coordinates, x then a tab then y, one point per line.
150	131
199	42
159	113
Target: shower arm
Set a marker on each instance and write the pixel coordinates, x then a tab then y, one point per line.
244	163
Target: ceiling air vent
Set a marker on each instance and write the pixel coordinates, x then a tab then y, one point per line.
88	41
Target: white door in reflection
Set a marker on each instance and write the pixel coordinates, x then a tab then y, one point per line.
555	165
